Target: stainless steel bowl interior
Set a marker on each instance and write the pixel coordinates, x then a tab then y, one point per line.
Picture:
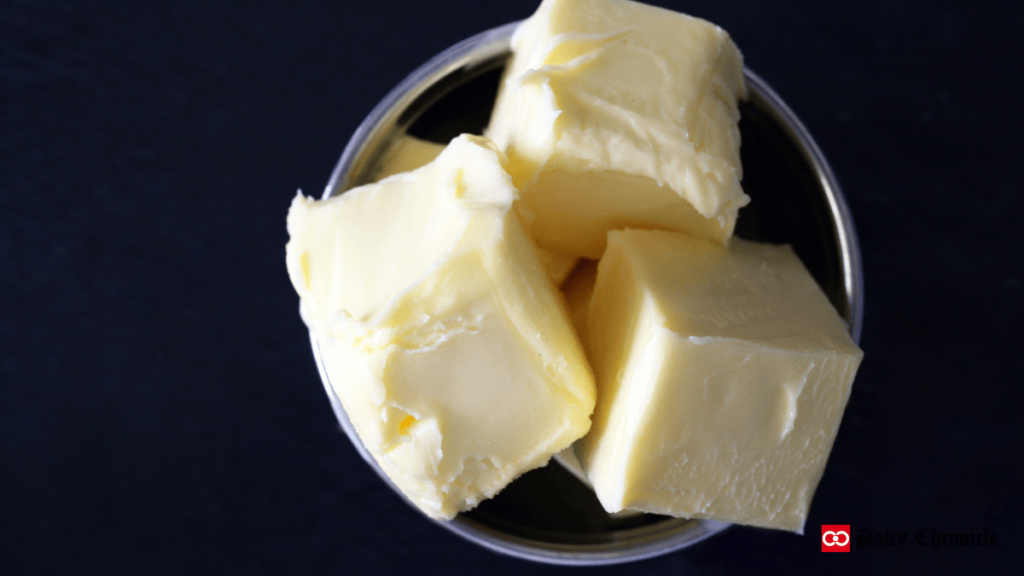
547	515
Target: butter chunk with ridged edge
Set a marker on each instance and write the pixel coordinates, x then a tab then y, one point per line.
408	153
450	349
722	376
617	114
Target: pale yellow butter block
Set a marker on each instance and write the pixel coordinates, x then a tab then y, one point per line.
722	378
617	114
448	346
408	153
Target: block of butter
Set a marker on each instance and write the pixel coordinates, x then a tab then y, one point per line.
408	153
617	114
722	377
448	346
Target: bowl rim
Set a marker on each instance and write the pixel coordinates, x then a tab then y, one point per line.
380	124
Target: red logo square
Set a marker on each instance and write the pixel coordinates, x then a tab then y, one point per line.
835	538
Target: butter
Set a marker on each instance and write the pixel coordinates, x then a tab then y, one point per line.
722	377
578	289
616	114
558	265
448	346
408	153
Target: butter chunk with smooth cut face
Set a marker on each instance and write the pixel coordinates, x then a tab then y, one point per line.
616	114
449	348
722	378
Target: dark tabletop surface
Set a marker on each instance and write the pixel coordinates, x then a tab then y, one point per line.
160	410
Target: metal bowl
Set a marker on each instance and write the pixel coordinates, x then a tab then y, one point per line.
547	515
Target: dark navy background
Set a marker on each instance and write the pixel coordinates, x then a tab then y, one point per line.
160	411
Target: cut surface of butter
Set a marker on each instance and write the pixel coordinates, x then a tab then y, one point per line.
408	153
617	114
722	377
450	349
